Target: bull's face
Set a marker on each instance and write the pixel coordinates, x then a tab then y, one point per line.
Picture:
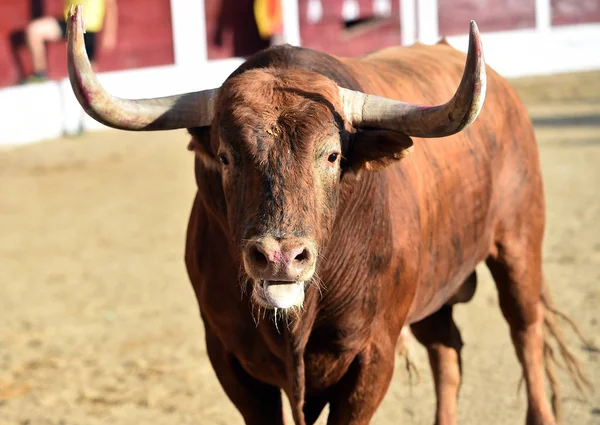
279	150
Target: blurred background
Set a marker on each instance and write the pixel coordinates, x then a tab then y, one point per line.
98	321
163	47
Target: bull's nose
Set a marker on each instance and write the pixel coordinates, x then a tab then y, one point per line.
290	259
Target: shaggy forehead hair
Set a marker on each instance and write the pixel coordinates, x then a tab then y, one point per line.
292	108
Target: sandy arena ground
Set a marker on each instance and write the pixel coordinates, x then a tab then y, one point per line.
99	325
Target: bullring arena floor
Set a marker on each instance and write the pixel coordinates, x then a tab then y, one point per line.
99	325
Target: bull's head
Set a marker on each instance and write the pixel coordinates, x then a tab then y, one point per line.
277	137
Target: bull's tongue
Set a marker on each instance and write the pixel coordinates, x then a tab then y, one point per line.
284	294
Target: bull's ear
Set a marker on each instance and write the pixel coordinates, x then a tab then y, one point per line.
200	145
373	150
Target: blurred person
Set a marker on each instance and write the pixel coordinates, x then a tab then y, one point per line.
97	14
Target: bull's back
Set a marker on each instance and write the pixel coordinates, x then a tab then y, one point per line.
468	185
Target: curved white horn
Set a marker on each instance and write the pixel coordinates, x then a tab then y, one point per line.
363	110
164	113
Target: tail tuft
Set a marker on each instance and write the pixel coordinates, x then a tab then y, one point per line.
567	360
403	351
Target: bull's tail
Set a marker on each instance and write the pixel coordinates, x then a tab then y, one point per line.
566	359
402	349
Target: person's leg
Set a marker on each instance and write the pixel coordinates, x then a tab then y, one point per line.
37	33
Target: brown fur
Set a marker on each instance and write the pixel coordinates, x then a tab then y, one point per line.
398	233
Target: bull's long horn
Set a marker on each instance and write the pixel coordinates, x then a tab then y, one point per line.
363	110
163	113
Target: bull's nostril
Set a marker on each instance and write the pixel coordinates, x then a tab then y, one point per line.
303	256
258	257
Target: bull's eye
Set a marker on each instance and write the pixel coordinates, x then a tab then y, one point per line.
223	160
333	157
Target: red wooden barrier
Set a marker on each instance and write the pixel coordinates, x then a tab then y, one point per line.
144	38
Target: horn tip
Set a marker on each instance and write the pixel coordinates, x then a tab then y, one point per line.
74	18
474	32
74	11
475	40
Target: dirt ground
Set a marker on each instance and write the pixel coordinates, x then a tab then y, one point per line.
99	325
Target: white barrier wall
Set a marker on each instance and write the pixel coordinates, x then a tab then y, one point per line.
47	110
534	52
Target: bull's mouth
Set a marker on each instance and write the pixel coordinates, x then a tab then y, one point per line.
278	294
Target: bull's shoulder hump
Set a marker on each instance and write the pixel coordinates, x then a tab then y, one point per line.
415	53
286	56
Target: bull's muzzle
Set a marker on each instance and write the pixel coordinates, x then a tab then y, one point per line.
279	269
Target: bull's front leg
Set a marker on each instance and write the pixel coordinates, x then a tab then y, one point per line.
358	395
259	403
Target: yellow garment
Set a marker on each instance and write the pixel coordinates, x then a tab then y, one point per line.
268	17
93	13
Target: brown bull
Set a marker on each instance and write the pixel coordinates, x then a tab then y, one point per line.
343	217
